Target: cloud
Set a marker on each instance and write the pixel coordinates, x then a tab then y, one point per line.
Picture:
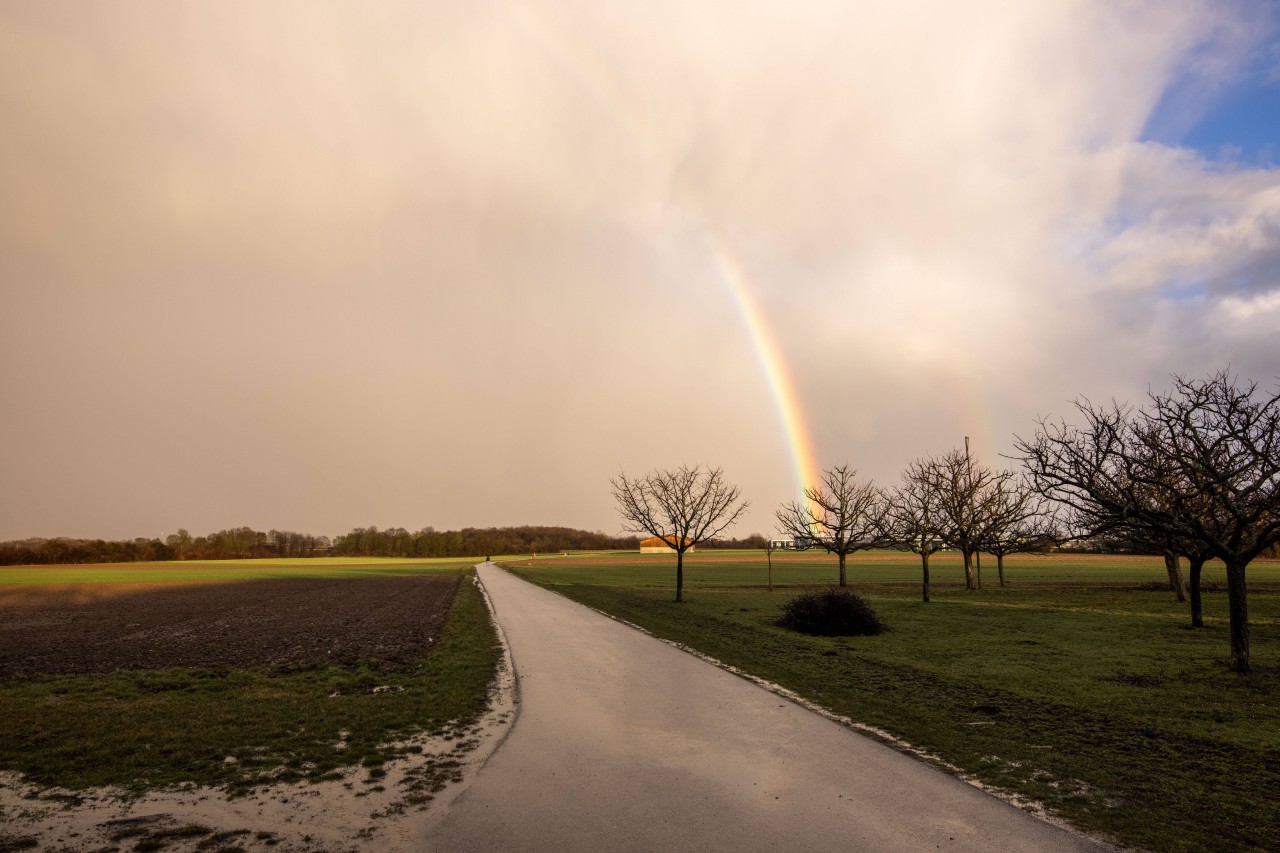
314	266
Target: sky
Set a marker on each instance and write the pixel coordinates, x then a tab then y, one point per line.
318	265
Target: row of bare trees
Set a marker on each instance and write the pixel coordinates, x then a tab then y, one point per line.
946	501
1194	473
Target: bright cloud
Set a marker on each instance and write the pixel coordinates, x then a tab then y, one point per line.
315	265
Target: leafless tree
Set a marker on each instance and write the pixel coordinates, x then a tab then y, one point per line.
1199	464
1103	517
1015	521
769	548
913	516
840	515
1173	568
967	497
1197	553
1157	468
1137	537
684	506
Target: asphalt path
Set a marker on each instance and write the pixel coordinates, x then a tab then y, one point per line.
623	742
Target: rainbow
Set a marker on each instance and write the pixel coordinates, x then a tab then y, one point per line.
583	62
769	357
594	74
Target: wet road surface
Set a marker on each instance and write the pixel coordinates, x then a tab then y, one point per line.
624	743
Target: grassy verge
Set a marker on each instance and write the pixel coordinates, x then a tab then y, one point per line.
1080	686
224	571
241	728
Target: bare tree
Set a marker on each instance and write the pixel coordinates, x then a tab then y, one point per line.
1015	521
1156	467
913	514
769	547
1115	433
1197	553
967	497
1199	464
1173	568
683	506
1136	537
840	515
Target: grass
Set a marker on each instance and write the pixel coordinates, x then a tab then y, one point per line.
240	728
225	570
1079	685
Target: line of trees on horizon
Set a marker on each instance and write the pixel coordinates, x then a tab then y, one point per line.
240	543
236	543
474	541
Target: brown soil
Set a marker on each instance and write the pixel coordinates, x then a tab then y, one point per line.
279	624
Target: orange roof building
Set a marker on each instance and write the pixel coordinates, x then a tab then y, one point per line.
661	545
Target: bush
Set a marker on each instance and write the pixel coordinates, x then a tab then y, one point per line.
831	613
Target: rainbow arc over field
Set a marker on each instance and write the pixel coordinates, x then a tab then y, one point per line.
597	77
772	365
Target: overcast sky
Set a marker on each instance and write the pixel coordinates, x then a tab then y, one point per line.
316	265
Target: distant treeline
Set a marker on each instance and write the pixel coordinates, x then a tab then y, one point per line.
240	543
755	540
235	544
473	541
243	542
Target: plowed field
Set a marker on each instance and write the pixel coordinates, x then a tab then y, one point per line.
278	624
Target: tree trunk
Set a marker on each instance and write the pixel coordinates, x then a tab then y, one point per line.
679	575
977	566
843	580
1000	567
1197	611
924	565
1238	607
968	569
1175	575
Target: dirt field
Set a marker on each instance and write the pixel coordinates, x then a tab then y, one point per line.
280	624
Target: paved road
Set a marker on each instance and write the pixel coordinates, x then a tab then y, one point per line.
625	743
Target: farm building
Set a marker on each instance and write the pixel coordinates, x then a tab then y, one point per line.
798	544
661	545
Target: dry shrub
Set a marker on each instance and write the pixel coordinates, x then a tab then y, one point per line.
830	613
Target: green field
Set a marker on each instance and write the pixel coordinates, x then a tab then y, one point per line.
225	570
1080	685
142	729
